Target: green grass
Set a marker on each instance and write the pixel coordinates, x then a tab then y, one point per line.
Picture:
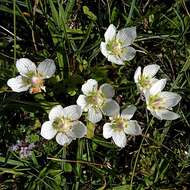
70	32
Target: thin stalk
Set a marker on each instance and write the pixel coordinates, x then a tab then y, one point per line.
14	24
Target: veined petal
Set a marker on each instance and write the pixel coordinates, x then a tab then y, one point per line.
107	130
107	90
110	33
47	130
56	112
127	35
119	138
94	115
72	112
103	49
171	99
167	115
151	70
157	87
89	86
137	74
128	112
110	108
47	68
78	130
115	59
155	114
25	66
63	139
17	84
81	101
128	53
133	128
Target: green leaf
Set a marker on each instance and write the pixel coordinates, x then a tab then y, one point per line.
89	13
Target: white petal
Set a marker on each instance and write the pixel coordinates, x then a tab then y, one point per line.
78	130
110	108
72	112
127	35
81	101
167	115
103	49
107	90
47	68
56	112
17	84
133	128
158	86
110	33
137	74
63	139
171	99
151	70
89	86
107	130
94	115
128	112
119	138
25	66
128	53
116	60
47	130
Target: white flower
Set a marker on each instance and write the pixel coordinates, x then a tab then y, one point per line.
97	101
159	102
31	77
116	47
146	79
63	123
121	125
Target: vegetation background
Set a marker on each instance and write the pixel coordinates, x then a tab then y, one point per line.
70	32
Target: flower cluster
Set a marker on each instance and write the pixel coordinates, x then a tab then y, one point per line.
97	100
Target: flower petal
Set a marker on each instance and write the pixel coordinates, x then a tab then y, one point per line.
127	35
133	128
81	101
89	86
107	90
137	74
47	68
72	112
55	112
119	138
151	70
78	130
25	66
128	112
128	54
167	115
110	33
171	99
63	139
103	49
115	59
17	84
107	130
110	108
94	115
157	86
47	130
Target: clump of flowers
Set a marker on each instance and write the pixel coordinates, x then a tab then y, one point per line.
120	125
116	47
160	103
97	101
64	124
146	78
31	77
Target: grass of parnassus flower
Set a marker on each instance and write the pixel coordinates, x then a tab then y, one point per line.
70	33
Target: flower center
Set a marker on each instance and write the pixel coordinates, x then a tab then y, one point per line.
119	123
144	82
115	47
156	102
62	124
95	99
